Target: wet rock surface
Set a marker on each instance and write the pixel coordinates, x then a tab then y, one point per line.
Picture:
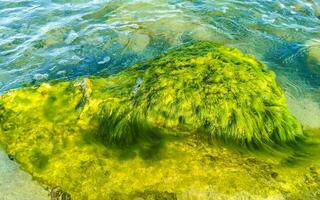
79	136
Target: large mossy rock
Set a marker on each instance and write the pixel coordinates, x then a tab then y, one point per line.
199	88
79	135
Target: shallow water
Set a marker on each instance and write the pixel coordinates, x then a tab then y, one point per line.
42	40
16	184
54	39
58	39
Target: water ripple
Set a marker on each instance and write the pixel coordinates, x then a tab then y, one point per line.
65	39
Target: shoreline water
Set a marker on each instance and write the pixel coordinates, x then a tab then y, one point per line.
16	184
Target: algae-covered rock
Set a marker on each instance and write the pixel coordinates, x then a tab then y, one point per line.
200	88
132	132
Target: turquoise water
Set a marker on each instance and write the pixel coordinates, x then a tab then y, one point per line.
61	39
42	40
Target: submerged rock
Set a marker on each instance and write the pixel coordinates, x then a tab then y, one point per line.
17	184
199	88
129	132
137	42
313	58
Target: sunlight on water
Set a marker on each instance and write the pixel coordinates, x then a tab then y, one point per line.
45	39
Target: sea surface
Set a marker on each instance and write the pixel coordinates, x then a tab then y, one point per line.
43	40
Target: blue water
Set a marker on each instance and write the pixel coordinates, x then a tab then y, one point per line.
62	39
42	40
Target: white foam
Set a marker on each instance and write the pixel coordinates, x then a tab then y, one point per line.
105	60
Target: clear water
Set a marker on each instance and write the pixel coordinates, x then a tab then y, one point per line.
54	39
16	184
42	40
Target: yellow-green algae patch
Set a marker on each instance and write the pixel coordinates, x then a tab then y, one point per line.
149	131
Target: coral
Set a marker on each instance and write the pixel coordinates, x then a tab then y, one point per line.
94	137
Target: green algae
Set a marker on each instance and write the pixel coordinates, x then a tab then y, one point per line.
137	134
204	88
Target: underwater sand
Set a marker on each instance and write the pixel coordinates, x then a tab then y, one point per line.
16	184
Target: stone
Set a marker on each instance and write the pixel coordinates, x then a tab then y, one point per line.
137	124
